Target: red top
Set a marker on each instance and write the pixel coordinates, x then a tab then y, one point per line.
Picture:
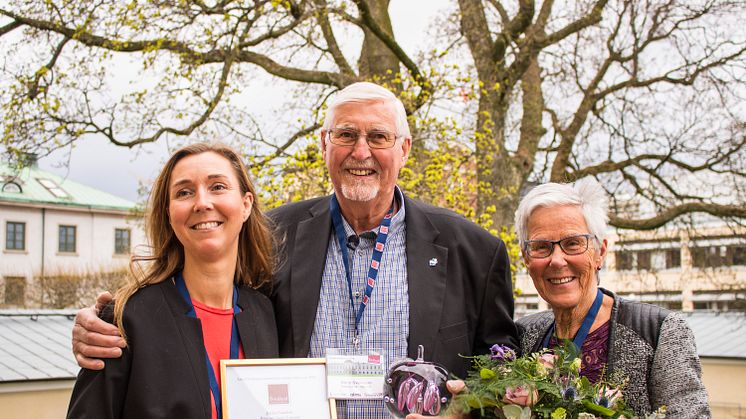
216	331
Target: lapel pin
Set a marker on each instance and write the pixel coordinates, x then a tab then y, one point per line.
433	262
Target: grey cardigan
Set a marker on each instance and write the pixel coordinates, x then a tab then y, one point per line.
651	346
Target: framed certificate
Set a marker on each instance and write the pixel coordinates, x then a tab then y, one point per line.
275	389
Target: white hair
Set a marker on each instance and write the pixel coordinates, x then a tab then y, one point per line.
368	92
586	193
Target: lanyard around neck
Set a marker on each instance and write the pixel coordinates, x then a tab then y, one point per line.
211	375
585	328
375	261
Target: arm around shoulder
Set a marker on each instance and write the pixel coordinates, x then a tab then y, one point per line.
676	376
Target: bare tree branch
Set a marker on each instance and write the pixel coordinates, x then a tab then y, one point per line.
9	27
723	211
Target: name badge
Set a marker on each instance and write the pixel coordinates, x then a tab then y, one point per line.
355	375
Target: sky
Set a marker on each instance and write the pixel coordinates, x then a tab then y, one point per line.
95	162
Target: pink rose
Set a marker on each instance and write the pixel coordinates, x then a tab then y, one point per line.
547	360
521	396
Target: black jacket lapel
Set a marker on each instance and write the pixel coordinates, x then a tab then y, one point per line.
190	329
256	325
307	267
426	273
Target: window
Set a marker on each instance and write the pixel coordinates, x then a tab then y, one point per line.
121	241
12	187
624	260
707	257
643	260
15	290
701	305
673	258
737	255
67	239
53	188
15	236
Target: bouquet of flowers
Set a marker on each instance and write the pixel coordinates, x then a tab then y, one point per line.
546	384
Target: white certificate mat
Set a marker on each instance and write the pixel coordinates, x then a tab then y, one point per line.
292	388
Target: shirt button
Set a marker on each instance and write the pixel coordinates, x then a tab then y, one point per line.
356	294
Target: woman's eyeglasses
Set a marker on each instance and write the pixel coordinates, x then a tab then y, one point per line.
572	245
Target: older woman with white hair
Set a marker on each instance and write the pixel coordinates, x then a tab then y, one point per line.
561	230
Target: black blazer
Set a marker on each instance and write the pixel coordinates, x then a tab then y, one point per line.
462	305
162	373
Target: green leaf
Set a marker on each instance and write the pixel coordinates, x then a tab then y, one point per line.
512	411
603	411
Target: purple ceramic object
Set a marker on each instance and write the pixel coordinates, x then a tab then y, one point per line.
404	389
415	386
431	400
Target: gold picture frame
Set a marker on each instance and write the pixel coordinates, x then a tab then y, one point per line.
281	387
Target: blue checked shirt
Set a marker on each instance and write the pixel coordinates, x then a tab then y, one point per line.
385	321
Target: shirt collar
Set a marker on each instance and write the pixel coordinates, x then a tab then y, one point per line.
396	222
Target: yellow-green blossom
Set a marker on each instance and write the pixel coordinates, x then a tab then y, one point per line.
559	413
575	366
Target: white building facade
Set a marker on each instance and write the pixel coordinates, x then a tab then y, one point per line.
53	227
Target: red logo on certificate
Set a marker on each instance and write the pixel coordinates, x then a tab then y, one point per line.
278	393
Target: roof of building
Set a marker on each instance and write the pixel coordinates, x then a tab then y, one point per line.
35	345
35	186
719	334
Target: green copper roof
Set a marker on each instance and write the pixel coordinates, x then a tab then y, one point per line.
44	188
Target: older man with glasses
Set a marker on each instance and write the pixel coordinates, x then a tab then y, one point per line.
369	269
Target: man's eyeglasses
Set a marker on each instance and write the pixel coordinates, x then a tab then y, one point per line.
375	138
572	245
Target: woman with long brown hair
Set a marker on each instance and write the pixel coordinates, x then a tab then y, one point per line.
193	300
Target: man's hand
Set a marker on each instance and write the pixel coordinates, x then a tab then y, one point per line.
455	387
94	338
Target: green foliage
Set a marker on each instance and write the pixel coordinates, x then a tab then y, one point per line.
301	176
546	384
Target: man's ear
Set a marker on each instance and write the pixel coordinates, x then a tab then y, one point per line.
406	146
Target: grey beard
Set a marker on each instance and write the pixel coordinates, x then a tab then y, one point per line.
359	192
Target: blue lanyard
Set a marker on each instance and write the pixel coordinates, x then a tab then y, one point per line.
375	262
214	388
585	328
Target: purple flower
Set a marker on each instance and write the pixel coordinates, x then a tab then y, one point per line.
569	393
502	352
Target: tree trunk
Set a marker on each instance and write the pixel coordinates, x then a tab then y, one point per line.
377	62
